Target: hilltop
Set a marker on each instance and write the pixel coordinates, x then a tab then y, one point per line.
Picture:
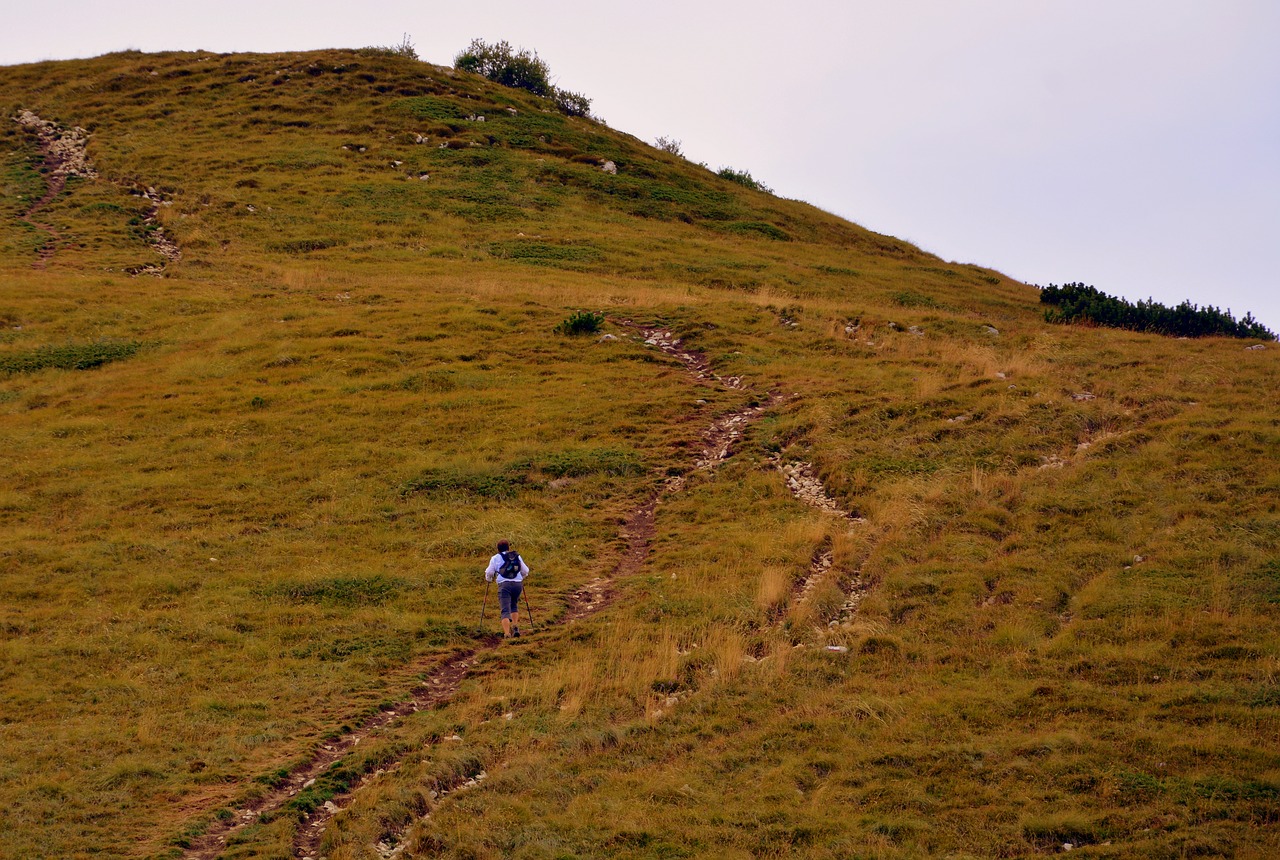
840	549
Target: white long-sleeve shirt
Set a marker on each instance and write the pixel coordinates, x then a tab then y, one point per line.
495	565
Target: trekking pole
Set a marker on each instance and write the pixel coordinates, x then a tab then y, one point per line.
532	626
480	629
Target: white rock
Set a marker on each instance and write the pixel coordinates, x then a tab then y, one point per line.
609	167
1255	346
991	330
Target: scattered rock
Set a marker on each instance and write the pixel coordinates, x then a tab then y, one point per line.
424	176
609	167
839	649
916	330
1255	346
66	149
804	484
607	337
991	330
1082	396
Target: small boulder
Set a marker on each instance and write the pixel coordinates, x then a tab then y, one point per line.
610	168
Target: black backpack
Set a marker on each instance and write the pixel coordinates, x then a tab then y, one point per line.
510	565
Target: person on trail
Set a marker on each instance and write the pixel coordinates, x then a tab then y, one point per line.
510	571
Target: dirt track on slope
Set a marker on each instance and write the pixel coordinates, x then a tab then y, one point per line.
445	675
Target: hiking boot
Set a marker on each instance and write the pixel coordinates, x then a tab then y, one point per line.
515	632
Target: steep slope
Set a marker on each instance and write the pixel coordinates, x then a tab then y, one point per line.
840	550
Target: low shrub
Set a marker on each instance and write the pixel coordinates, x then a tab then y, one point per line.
668	144
744	178
581	322
520	69
404	49
487	485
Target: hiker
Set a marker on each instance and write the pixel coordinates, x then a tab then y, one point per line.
510	571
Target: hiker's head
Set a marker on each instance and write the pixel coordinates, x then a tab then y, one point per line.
503	546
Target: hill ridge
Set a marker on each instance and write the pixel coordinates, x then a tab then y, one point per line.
839	537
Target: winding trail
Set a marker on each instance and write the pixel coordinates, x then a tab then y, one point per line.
443	676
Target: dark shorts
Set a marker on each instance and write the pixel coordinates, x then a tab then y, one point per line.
509	597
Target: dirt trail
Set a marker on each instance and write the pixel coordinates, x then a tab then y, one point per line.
64	155
443	677
718	445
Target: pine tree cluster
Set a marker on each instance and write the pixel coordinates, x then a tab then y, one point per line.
1082	303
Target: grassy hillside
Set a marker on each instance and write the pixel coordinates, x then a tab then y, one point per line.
249	491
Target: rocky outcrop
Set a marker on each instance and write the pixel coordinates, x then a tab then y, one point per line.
66	150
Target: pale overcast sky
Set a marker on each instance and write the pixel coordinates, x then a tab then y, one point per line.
1130	144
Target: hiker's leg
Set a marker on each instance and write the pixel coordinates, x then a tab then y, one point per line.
516	588
506	605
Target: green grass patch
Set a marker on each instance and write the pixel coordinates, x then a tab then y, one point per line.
72	356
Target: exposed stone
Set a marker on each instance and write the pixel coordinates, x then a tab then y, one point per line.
66	149
609	167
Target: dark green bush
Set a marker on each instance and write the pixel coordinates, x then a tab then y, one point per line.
520	69
505	65
581	322
571	103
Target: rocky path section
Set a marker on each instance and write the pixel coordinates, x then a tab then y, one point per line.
159	240
803	482
65	154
